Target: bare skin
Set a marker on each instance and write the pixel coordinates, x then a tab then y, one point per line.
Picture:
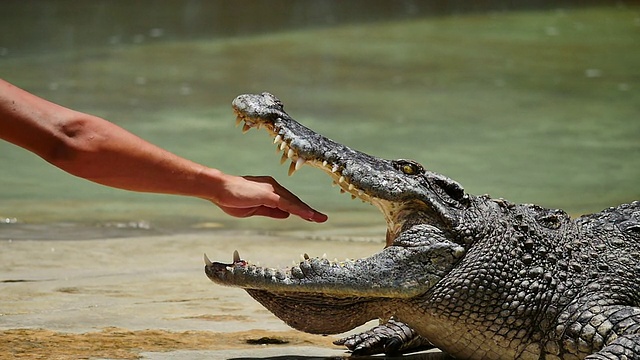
100	151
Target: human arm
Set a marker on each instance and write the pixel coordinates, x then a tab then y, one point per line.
100	151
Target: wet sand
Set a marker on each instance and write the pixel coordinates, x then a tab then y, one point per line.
148	297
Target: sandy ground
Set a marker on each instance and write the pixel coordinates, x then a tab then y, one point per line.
148	298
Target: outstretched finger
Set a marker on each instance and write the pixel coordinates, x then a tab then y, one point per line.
255	211
284	200
290	203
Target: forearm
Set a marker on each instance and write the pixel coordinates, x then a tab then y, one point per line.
97	150
109	155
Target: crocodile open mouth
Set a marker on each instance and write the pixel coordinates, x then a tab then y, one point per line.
402	269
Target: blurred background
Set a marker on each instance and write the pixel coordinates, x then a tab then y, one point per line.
529	102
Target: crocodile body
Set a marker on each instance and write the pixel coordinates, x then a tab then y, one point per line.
478	278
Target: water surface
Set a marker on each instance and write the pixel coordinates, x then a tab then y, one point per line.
536	106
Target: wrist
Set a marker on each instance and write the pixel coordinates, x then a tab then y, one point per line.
210	183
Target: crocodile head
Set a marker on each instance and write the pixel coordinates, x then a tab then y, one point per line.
424	239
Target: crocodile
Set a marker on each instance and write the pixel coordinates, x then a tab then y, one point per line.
476	277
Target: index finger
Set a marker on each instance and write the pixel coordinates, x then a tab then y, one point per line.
290	203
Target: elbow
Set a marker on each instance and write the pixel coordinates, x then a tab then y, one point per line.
73	141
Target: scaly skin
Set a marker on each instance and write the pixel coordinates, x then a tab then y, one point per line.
479	278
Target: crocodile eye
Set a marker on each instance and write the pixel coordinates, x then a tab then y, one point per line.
409	167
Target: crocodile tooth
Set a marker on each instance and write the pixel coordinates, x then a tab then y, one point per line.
245	128
360	192
283	158
302	257
290	153
325	163
236	256
238	120
306	257
324	256
334	183
334	168
351	187
342	191
283	145
341	180
277	139
206	260
299	163
353	197
292	168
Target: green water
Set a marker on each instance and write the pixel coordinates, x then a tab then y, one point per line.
537	107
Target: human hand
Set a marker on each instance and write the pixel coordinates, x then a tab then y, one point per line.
244	196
